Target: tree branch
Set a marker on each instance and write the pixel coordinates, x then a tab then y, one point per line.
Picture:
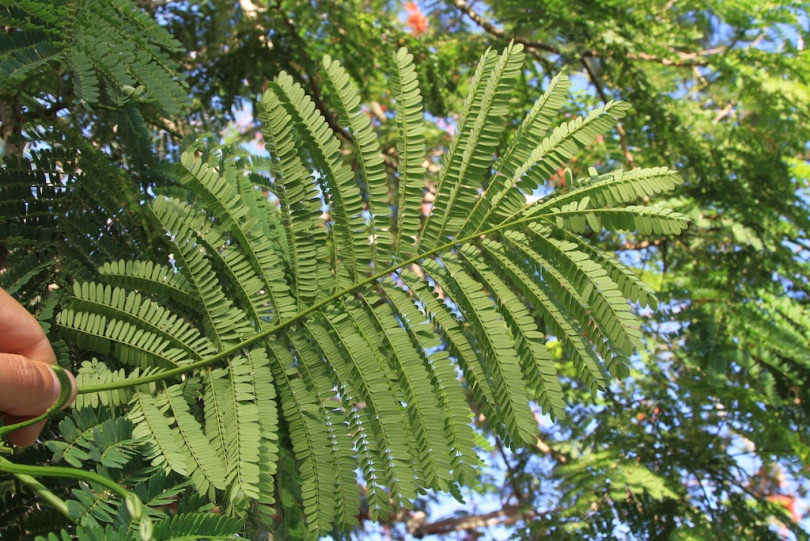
644	244
508	515
685	60
490	28
11	121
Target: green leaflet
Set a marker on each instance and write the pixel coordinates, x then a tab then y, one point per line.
219	192
165	445
443	379
130	343
611	188
97	373
242	433
430	449
196	526
362	370
147	315
310	441
299	201
459	343
315	374
158	279
207	472
561	321
223	323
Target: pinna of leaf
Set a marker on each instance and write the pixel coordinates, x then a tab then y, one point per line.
273	311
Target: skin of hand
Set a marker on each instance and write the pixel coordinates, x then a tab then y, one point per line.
28	386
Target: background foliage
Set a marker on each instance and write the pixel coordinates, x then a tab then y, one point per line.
707	438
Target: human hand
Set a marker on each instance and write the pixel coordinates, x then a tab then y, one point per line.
28	386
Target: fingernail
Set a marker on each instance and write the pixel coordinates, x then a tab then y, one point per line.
57	387
61	377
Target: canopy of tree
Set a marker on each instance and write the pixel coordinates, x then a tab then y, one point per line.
390	279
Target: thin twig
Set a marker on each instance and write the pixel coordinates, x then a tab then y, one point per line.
727	110
619	128
510	471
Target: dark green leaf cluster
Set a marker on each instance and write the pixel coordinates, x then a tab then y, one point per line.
106	45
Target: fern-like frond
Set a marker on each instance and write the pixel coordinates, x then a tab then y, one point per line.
311	366
350	236
536	361
95	372
310	440
609	189
517	423
91	506
131	344
166	447
315	373
77	433
158	279
631	286
456	197
431	448
118	47
364	376
411	151
564	142
85	79
610	309
192	526
120	305
242	434
347	101
207	472
556	314
219	191
224	323
299	201
457	341
450	399
529	136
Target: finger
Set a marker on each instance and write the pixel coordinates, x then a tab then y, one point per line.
22	333
25	436
29	387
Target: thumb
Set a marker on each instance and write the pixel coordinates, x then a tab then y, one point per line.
26	387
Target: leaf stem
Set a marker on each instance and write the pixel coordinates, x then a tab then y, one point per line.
159	376
57	502
57	471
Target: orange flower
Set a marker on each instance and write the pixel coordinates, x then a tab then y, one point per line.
416	21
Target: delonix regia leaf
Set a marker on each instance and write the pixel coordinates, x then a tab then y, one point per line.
316	345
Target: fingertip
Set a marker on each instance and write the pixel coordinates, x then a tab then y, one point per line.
31	386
